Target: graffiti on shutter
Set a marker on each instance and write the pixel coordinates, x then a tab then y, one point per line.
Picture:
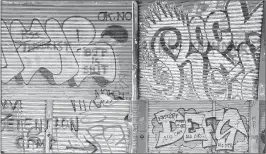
191	128
209	52
22	127
78	128
68	50
62	62
76	58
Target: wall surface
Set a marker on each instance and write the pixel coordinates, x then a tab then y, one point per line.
123	76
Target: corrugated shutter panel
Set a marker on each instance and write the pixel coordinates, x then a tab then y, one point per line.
187	127
200	50
204	50
91	129
135	126
77	30
262	127
72	55
22	127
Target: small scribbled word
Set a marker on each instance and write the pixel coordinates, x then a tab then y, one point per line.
114	16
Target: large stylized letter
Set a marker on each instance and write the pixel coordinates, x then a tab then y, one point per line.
11	62
170	134
226	138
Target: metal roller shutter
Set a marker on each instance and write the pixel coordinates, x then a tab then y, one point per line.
70	66
262	70
135	115
262	127
203	50
261	89
187	127
200	50
22	126
68	76
91	129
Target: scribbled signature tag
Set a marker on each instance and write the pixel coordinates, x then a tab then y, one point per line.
98	61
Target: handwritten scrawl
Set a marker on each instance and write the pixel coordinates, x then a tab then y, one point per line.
11	61
97	60
28	39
